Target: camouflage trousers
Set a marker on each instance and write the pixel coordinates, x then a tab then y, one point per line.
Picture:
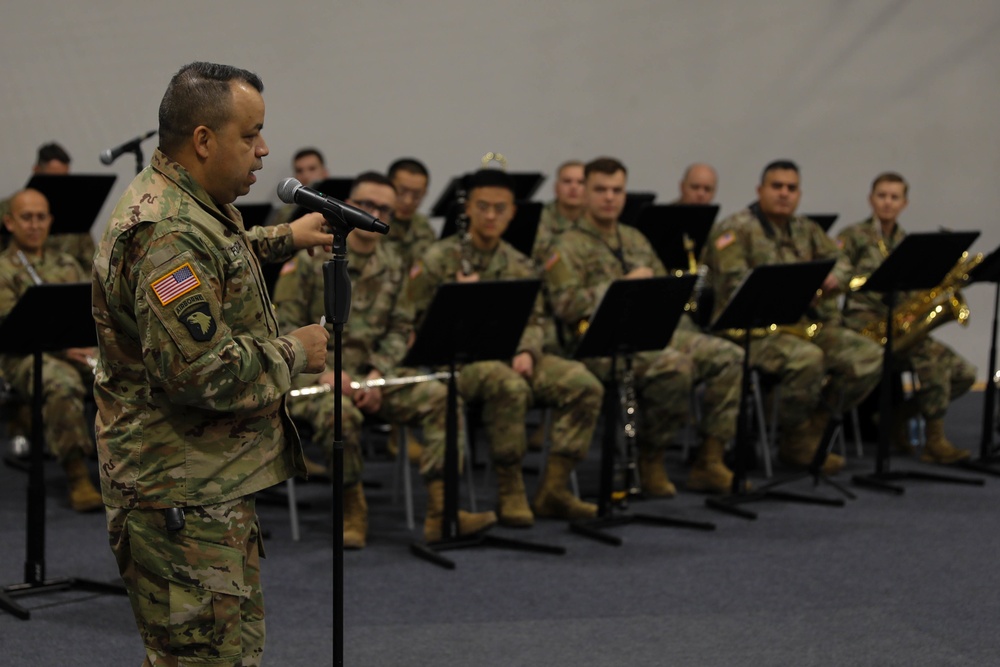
422	404
65	427
942	374
572	392
195	593
838	368
664	382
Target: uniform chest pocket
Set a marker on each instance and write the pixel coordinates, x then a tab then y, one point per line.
242	285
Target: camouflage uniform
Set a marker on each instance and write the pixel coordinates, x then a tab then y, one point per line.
190	385
79	246
851	362
574	394
943	374
409	239
374	338
66	383
579	270
551	224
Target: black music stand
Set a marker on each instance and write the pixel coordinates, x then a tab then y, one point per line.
919	262
75	200
45	319
634	203
520	233
467	322
989	457
754	306
633	316
667	225
824	220
526	184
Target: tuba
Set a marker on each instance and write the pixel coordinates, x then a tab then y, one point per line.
914	319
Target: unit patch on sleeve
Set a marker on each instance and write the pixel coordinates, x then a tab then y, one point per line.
175	284
199	322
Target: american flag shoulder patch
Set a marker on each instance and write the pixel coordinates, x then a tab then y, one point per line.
175	284
724	240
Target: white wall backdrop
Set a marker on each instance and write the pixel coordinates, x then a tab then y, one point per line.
847	88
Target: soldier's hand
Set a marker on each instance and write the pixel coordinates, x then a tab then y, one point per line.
639	272
314	338
462	278
310	231
523	364
369	400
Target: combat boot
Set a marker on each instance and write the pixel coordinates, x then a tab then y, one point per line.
355	517
512	502
938	449
83	497
653	475
709	474
553	499
798	445
468	523
414	450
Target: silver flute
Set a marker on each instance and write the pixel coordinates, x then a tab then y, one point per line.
370	384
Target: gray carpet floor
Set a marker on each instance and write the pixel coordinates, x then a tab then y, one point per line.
885	580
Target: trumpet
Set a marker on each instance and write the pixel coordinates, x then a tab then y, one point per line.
326	388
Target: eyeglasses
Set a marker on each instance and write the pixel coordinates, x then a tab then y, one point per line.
378	210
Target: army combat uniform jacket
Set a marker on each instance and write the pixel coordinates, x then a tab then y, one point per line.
192	369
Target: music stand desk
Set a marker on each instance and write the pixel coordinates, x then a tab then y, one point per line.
75	200
754	305
465	323
633	316
919	262
46	318
665	225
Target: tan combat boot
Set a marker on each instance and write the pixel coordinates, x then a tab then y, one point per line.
512	503
553	498
937	449
653	475
414	450
355	517
468	523
709	474
798	445
83	497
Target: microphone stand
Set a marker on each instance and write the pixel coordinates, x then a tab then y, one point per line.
337	302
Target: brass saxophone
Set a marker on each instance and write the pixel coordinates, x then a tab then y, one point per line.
925	311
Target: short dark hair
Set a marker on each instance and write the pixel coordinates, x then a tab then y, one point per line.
371	177
306	152
51	151
489	178
604	165
891	177
411	165
199	94
779	165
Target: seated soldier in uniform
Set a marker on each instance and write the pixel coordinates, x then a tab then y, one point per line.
563	212
584	262
67	376
308	167
507	389
374	343
830	371
409	232
943	375
53	160
698	184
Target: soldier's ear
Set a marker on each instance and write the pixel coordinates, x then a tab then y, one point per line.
202	138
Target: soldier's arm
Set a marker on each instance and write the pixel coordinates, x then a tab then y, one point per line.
826	248
424	279
533	337
392	346
727	262
271	243
189	350
572	300
293	293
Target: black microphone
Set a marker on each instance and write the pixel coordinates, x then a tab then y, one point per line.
291	191
111	154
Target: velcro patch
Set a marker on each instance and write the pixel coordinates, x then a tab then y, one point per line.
724	240
287	267
175	284
199	322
